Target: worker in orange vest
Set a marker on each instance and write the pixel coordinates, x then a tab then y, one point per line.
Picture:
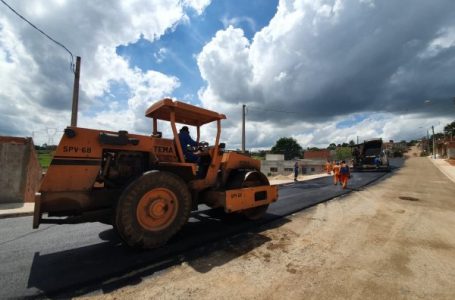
336	173
328	167
345	174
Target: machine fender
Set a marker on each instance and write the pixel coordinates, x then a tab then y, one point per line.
150	172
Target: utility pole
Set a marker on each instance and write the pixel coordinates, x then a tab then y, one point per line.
243	127
76	92
434	148
357	140
428	143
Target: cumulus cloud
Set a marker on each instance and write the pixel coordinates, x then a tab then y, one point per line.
35	79
198	5
322	61
316	64
237	21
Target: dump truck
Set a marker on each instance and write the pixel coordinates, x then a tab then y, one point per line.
142	185
370	155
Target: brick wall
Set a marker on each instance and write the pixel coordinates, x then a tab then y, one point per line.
20	170
320	154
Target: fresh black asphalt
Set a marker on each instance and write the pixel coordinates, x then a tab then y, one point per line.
71	260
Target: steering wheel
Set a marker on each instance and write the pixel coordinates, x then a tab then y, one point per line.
203	145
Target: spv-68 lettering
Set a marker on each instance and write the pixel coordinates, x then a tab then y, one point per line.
77	149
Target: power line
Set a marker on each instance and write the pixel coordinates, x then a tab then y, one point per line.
273	110
42	32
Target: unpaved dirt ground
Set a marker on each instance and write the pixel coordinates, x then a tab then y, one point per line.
394	240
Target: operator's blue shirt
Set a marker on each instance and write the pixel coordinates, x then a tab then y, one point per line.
185	140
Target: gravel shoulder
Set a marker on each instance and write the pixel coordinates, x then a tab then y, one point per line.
394	239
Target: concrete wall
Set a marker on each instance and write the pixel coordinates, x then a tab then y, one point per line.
451	150
20	172
274	157
286	167
451	153
445	149
277	167
312	166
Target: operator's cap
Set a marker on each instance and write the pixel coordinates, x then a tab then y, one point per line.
184	128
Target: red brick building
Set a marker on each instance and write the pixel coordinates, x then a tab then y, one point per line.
317	154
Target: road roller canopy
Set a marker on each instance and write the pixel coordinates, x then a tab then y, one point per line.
184	113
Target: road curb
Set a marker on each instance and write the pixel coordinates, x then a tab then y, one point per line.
16	214
442	170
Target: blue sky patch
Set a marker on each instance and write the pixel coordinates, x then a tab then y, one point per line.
353	120
118	92
175	52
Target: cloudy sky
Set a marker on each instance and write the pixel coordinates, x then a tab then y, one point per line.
319	71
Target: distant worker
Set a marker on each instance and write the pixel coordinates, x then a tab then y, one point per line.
328	167
345	174
185	141
296	171
336	173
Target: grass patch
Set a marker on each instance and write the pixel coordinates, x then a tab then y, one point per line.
258	157
45	158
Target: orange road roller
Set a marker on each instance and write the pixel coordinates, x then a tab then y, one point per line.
144	185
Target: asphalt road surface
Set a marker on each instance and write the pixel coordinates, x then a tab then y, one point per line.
71	260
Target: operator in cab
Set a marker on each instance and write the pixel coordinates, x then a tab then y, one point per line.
185	141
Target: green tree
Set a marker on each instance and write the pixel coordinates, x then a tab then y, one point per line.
351	143
449	129
411	143
287	146
343	153
332	146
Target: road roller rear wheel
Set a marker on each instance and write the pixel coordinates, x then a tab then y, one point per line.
152	209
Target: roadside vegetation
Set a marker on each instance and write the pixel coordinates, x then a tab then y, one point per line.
292	149
343	151
45	154
44	158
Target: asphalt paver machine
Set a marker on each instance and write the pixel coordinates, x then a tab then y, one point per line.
370	155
